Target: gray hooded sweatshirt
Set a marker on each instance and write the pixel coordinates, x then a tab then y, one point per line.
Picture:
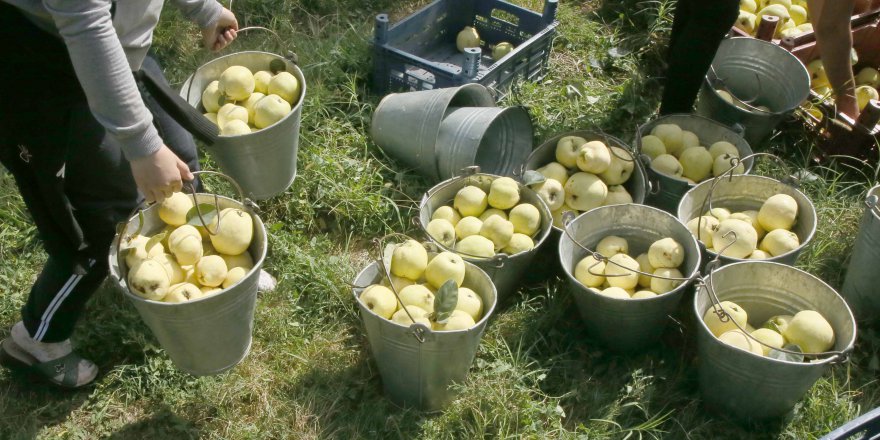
105	50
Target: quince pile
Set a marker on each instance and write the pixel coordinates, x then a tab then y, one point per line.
679	154
754	235
241	101
417	276
807	329
793	16
184	262
663	259
867	82
479	225
584	176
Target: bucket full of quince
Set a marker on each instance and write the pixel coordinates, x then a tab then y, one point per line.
424	312
190	266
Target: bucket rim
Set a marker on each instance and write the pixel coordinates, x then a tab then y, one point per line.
542	207
487	312
298	73
779	266
780	51
795	251
692	276
638	166
873	205
643	128
116	275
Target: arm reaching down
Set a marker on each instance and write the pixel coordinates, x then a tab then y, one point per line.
834	38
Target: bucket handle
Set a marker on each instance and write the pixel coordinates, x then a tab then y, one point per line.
790	180
840	357
568	217
418	331
122	227
873	203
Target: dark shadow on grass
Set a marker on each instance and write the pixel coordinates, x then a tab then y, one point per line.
163	424
28	405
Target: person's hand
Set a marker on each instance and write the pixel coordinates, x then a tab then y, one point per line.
160	174
222	33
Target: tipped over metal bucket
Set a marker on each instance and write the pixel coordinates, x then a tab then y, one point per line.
758	71
406	125
744	193
744	385
626	324
418	372
860	288
667	191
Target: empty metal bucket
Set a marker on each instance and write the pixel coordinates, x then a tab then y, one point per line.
754	69
626	324
262	162
495	139
208	335
505	270
860	288
667	191
744	193
406	125
419	373
742	384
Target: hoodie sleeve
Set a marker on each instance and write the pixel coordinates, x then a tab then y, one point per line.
203	13
104	74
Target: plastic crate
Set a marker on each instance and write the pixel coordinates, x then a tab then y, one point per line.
838	135
419	52
864	427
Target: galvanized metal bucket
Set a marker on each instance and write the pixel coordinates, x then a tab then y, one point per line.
505	270
205	336
638	186
495	139
744	193
262	162
862	277
667	191
747	386
758	70
406	125
626	324
418	365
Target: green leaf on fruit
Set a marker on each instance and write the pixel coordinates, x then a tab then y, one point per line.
208	210
532	177
155	240
788	357
140	223
276	66
445	301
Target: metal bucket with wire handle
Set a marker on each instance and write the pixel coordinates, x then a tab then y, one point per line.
862	277
208	335
505	270
745	385
667	191
759	73
416	363
626	324
743	193
263	162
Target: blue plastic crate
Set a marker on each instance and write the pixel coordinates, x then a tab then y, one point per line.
419	52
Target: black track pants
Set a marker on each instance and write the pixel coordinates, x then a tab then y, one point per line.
76	185
697	30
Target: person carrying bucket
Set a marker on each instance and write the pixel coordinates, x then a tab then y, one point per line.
85	149
697	31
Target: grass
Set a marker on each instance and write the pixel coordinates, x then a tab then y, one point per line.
538	374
